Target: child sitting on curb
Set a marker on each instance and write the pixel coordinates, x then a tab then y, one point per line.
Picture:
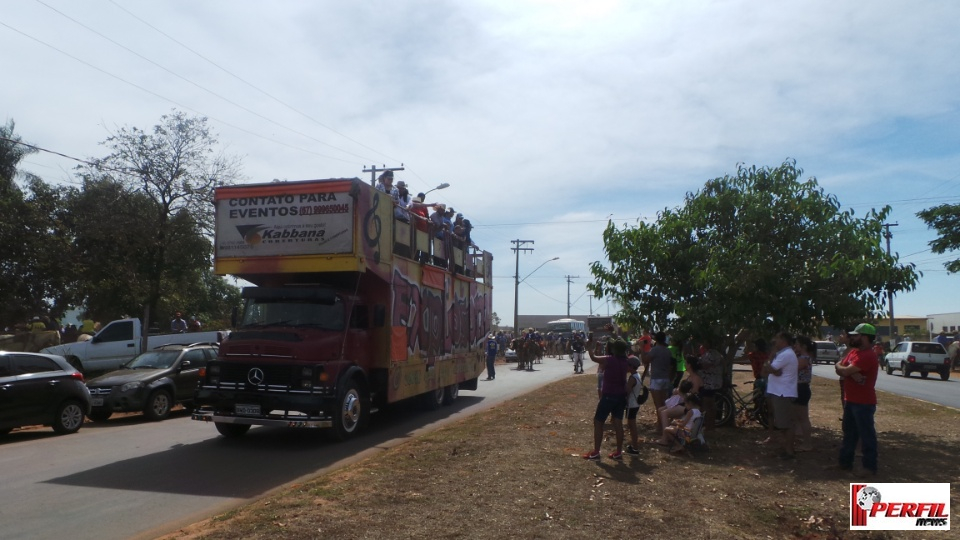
674	406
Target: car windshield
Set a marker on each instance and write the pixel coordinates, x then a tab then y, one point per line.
289	312
154	360
826	346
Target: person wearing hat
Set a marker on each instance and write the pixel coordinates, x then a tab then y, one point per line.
613	397
859	370
491	348
403	202
36	325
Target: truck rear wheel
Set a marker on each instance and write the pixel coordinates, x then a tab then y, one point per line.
450	394
232	431
434	399
352	411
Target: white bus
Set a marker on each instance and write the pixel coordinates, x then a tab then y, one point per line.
565	327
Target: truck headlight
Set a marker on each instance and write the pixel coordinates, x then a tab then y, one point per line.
130	386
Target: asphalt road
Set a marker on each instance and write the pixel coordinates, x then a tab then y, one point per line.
130	478
931	389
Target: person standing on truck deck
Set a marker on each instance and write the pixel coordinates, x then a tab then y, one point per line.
385	182
178	325
859	371
403	203
491	357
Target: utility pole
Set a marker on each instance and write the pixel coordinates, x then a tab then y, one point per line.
373	170
888	235
569	281
516	283
590	296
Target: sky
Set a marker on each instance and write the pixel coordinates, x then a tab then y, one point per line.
546	117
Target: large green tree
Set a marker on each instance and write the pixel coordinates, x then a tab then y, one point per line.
761	250
33	277
176	167
945	218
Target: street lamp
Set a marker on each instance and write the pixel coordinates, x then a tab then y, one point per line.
441	186
516	293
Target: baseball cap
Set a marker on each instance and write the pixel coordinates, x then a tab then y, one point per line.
865	329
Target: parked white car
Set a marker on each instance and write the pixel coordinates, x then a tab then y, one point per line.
922	356
827	352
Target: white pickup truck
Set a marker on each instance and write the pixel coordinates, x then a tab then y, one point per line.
922	356
119	341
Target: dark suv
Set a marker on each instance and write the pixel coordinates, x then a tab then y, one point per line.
41	389
153	382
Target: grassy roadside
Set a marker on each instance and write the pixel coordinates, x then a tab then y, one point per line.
515	471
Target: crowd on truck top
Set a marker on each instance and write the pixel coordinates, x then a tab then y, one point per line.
444	223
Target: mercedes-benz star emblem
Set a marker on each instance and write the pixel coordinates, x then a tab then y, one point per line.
255	376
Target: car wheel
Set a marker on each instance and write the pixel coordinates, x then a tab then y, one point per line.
889	370
924	374
69	417
100	415
945	374
158	405
451	394
904	372
352	411
232	431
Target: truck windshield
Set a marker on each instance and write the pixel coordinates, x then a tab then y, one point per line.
260	312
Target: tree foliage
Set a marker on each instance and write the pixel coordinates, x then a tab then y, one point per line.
174	169
761	250
33	277
946	220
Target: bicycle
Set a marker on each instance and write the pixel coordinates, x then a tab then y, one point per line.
731	405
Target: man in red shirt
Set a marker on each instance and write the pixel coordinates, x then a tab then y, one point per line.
859	370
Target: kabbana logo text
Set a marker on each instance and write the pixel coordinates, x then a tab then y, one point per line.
899	507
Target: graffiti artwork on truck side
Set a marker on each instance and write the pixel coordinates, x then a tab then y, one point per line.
459	323
421	312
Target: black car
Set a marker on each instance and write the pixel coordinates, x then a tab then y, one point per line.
41	389
153	382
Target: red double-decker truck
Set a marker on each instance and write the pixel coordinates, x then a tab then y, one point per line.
353	309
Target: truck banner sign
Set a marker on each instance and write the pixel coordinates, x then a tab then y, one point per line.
285	224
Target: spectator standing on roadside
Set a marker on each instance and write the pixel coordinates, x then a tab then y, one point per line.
658	362
680	365
178	325
806	351
194	324
613	397
859	371
491	357
635	398
710	369
781	375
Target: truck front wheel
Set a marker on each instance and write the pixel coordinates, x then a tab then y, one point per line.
352	410
232	431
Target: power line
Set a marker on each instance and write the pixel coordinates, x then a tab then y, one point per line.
178	104
205	89
251	85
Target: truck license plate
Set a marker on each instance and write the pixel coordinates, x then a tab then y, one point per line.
96	402
252	410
